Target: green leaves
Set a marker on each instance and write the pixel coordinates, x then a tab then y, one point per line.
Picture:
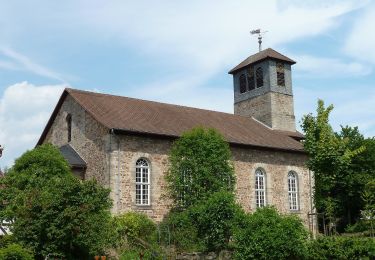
53	211
342	163
266	234
200	165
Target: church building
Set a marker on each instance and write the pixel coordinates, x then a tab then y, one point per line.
124	142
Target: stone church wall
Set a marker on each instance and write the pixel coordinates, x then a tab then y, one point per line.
277	165
89	138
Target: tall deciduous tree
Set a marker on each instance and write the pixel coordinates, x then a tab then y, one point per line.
342	162
200	165
53	211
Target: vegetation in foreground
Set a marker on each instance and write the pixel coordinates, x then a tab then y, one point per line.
55	213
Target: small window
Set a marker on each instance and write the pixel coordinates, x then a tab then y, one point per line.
293	191
280	74
250	78
69	126
260	188
259	77
242	83
142	182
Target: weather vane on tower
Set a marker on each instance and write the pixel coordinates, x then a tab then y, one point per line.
260	35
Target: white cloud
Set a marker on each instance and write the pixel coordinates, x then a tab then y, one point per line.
209	35
361	40
311	66
21	62
24	111
353	107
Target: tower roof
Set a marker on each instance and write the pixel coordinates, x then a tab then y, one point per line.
262	55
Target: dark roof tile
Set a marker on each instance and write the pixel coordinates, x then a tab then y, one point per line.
267	53
148	117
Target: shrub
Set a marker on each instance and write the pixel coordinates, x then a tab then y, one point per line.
342	248
214	219
183	233
206	226
134	230
15	252
266	234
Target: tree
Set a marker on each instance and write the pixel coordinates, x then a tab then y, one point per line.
53	211
200	165
342	163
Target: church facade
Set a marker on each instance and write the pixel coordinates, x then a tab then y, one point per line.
124	143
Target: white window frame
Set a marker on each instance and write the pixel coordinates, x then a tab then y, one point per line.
142	182
260	188
293	197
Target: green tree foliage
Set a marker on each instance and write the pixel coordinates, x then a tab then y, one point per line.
266	234
342	163
200	165
207	225
346	248
15	252
134	230
53	211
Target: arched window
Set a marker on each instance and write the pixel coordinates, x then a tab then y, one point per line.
280	74
293	190
260	188
142	182
242	83
69	126
259	77
250	78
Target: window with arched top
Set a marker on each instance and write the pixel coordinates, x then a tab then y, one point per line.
260	188
242	83
142	182
69	126
293	191
280	74
259	77
250	78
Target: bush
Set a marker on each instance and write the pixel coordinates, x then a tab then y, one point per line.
342	248
206	226
266	234
183	234
15	252
214	219
134	230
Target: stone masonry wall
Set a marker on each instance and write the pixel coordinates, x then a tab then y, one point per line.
282	112
273	109
89	138
276	165
122	165
258	107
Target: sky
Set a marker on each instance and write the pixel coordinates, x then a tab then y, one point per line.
179	52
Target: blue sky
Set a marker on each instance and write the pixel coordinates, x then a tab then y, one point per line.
179	52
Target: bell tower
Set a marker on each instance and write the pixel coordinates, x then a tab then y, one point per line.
263	89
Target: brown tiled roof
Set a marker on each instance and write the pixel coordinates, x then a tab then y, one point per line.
125	114
267	53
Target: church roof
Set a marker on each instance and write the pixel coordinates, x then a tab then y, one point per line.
136	116
262	55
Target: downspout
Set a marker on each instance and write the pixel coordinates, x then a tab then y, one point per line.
313	224
116	185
